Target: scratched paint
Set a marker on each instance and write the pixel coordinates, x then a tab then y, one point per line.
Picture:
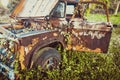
30	46
82	48
93	34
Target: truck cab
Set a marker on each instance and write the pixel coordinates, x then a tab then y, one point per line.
83	35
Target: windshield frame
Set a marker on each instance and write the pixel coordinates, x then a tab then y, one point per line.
64	14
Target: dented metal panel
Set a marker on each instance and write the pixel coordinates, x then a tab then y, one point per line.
90	37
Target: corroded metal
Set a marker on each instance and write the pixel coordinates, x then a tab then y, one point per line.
33	31
90	37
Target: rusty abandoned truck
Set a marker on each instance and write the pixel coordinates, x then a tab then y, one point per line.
41	26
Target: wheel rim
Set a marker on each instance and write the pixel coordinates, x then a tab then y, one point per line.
51	63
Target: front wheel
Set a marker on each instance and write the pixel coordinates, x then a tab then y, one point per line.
47	58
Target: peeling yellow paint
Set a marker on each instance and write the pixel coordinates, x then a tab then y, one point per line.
22	57
24	51
55	34
82	48
30	46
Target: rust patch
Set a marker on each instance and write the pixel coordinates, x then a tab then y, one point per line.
83	48
89	41
94	37
30	46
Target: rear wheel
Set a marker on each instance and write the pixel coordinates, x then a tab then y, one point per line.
47	58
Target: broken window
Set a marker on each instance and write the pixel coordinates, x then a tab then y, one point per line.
59	11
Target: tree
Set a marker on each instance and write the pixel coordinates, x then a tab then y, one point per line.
12	4
4	3
116	10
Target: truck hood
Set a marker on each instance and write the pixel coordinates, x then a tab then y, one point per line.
33	8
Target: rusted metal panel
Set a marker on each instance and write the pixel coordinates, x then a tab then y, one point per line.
26	39
35	41
96	41
90	37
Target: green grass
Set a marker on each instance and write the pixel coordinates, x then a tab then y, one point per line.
115	19
96	18
102	18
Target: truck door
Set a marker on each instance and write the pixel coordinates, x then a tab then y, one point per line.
87	36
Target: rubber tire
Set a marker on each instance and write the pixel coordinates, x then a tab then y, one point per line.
43	55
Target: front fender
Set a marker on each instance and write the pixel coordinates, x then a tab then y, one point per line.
29	44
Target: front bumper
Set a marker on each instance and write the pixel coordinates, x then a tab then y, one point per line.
5	70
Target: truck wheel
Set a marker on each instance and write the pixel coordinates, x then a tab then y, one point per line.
47	58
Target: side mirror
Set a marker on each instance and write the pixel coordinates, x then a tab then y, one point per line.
47	18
